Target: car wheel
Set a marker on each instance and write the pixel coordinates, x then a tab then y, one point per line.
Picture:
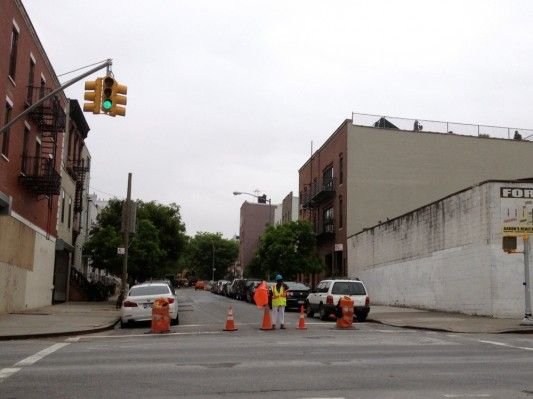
361	317
248	298
309	310
175	321
126	324
322	312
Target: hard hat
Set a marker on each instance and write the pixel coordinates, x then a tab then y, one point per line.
279	277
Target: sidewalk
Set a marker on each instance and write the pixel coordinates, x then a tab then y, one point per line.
443	321
56	320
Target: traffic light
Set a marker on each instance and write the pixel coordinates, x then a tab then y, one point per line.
118	98
107	94
93	94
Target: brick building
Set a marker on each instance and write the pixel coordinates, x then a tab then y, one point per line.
370	171
30	154
253	220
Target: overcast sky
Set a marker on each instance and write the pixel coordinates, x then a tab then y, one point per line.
228	95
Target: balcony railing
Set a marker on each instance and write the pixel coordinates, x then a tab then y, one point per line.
318	193
40	175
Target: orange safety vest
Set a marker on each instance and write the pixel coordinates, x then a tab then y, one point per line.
279	298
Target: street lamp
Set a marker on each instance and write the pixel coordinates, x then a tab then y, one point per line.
213	260
258	196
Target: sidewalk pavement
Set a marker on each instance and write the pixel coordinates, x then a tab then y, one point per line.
443	321
56	320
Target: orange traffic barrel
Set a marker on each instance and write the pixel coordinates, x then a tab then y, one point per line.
160	316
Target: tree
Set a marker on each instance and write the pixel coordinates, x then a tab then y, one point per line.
154	250
287	249
201	249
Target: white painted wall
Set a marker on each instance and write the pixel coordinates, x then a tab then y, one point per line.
39	282
445	256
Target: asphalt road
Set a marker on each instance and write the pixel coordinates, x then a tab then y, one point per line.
199	360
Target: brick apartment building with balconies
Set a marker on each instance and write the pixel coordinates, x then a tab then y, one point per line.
30	154
373	169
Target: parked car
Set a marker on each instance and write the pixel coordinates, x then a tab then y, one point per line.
199	285
248	289
137	306
296	294
325	298
220	286
237	288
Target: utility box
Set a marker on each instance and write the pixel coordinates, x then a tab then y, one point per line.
509	243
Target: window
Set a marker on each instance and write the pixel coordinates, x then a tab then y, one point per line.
328	221
37	158
348	288
340	211
327	178
341	168
25	142
5	134
13	52
31	77
42	88
62	206
69	211
150	290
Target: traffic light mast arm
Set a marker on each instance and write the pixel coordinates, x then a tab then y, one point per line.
106	64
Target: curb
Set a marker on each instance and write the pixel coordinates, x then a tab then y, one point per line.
410	327
109	326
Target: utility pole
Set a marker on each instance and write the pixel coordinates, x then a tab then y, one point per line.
528	320
126	238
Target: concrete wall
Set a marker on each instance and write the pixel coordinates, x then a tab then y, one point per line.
444	256
392	172
26	266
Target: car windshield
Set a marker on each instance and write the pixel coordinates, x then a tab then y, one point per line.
149	290
297	286
348	288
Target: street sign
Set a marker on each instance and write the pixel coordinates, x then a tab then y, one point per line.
121	251
338	247
516	210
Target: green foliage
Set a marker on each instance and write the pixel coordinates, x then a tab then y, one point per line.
154	250
200	255
288	249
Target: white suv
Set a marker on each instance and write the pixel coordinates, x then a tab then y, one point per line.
325	298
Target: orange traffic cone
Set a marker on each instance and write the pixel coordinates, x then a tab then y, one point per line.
230	324
267	323
301	321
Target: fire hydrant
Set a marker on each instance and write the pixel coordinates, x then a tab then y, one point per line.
160	316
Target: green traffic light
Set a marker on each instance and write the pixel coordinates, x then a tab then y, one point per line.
107	104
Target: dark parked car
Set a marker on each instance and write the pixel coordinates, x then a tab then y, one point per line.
296	294
237	288
249	289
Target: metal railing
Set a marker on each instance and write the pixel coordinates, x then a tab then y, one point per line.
316	189
425	125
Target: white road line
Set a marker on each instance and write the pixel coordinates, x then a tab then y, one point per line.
506	345
149	335
468	395
7	372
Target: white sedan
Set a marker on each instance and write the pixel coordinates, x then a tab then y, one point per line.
137	306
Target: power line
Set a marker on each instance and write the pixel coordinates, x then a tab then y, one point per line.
79	69
104	192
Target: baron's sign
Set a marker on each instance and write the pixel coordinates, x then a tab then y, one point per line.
517	210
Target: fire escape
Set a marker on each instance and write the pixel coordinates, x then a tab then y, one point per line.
39	171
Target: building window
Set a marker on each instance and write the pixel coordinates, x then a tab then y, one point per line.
327	178
37	158
62	206
328	220
341	168
69	211
5	134
31	77
340	212
13	52
25	142
42	88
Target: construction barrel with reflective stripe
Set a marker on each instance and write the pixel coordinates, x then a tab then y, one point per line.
279	298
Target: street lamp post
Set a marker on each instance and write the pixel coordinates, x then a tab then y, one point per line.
213	260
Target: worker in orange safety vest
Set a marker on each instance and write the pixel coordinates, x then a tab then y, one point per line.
279	301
